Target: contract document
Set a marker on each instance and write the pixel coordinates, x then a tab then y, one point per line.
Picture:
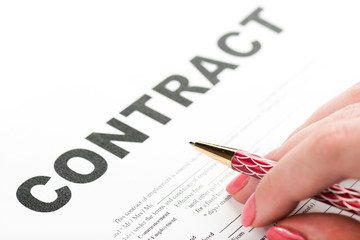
99	101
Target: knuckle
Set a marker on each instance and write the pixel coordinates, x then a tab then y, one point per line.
352	110
328	142
354	92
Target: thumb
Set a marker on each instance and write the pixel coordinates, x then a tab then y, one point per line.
315	226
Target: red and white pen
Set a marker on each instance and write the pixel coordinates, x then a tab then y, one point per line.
255	166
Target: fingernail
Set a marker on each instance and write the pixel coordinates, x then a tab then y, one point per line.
249	211
237	184
281	233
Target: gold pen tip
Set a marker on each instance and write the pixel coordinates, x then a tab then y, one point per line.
191	143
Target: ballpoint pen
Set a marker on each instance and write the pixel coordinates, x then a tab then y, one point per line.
256	166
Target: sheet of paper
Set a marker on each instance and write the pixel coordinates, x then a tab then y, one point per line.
100	99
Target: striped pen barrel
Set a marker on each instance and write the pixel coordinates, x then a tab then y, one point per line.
256	166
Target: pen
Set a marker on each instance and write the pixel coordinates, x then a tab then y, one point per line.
256	166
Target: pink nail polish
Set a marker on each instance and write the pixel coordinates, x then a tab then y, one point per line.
237	184
249	211
281	233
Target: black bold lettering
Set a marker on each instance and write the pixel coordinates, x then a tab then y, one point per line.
211	76
139	105
62	168
176	94
224	46
254	16
25	197
104	140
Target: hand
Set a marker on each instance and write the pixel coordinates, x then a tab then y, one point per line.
323	151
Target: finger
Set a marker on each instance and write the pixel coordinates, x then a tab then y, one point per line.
316	226
351	111
350	96
242	186
323	159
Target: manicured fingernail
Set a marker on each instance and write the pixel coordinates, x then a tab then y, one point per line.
237	184
249	211
281	233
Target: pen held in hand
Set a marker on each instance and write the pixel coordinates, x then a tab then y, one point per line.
256	166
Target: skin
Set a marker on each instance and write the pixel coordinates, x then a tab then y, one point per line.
324	151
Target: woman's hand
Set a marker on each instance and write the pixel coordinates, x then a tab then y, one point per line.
323	151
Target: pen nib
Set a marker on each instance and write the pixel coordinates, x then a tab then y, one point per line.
192	143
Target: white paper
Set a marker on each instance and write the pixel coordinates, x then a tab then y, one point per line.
68	68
